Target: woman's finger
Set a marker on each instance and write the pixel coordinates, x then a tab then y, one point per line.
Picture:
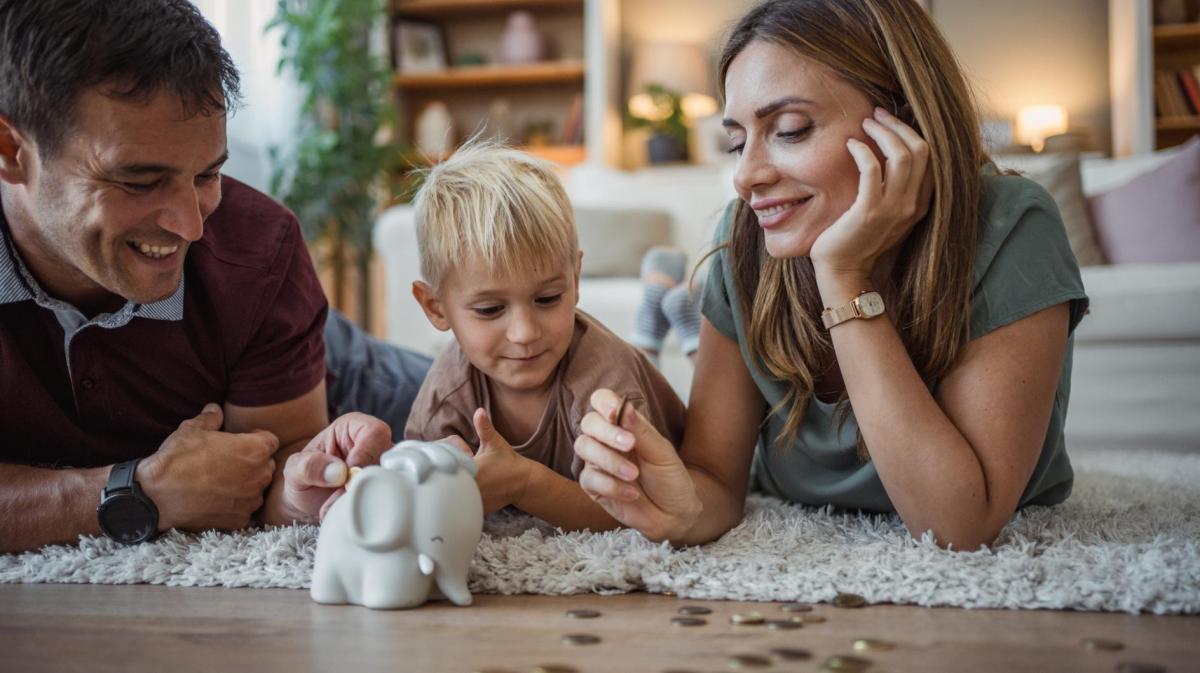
870	175
916	146
606	459
898	160
597	426
599	484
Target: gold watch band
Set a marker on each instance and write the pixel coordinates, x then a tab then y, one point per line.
832	317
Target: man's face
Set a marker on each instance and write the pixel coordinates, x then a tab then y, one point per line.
514	328
113	213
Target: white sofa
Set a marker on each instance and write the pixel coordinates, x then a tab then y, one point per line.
1136	376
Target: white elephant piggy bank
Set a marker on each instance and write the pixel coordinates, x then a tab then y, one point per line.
400	527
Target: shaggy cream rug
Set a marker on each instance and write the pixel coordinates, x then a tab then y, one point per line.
1128	540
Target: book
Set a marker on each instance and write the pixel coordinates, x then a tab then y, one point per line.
1168	96
1191	90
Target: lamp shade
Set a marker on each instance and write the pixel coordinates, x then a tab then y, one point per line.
1035	123
678	67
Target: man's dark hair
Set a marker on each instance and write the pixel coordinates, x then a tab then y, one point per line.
51	51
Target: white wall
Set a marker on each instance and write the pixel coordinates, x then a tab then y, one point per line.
270	101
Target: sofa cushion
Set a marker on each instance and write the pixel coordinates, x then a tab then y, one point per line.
613	240
1059	174
1155	217
1142	303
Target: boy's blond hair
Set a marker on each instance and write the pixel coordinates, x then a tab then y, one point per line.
494	205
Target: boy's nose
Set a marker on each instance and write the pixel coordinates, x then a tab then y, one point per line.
523	329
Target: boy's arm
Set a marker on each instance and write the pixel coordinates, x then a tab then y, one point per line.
561	502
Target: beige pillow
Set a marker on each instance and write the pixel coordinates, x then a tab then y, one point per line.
613	240
1059	175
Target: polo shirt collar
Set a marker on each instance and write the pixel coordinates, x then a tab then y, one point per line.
17	284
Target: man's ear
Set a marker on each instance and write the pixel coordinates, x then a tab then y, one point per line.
430	304
14	150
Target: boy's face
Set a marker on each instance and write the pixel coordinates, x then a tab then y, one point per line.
514	328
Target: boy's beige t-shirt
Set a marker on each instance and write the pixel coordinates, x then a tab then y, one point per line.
596	358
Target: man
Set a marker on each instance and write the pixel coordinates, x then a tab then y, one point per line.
161	346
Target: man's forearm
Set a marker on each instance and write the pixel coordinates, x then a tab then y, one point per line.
40	506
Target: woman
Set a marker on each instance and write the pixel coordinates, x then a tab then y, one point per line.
860	171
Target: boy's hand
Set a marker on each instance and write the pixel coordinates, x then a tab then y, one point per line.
503	474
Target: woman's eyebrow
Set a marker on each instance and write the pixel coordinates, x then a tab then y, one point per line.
771	107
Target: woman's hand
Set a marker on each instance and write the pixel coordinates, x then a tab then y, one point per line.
633	472
890	201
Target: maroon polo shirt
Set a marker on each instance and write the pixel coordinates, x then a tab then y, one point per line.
245	327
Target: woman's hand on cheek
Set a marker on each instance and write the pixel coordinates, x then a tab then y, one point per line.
633	472
891	199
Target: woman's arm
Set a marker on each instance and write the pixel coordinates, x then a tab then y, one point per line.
697	494
956	462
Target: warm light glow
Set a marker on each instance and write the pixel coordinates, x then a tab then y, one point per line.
697	105
1035	123
643	106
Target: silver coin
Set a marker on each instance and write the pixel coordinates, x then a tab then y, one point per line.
694	610
791	654
554	668
689	621
846	663
583	613
1103	645
813	619
872	645
748	661
747	618
796	607
849	601
580	639
783	625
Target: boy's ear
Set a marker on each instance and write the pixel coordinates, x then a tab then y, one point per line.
578	268
14	150
431	305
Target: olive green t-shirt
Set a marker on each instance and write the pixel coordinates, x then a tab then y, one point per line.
1022	265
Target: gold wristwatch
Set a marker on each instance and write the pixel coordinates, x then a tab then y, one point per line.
868	304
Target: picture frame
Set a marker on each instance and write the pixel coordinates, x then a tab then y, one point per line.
418	47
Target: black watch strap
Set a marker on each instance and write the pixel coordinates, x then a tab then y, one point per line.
121	476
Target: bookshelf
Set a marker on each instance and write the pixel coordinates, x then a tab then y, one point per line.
1176	50
546	92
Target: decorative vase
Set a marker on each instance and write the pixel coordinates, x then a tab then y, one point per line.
435	130
662	148
521	42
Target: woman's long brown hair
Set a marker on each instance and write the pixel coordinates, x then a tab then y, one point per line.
891	51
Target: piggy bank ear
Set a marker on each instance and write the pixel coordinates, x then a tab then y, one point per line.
379	509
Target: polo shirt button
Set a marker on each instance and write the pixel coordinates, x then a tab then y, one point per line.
87	384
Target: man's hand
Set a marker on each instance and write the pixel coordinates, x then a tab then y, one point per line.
313	477
201	478
503	474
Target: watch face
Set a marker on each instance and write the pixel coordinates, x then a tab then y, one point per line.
871	304
127	519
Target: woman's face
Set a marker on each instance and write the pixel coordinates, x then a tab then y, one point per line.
789	118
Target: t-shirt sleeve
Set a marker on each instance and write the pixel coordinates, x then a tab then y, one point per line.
438	410
715	303
1024	263
284	356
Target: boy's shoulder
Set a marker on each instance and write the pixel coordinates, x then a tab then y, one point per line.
449	375
601	359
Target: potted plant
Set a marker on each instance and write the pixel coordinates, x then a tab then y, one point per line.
660	110
333	177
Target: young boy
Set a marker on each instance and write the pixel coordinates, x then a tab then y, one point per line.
500	262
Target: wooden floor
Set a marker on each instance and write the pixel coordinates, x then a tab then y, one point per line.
65	628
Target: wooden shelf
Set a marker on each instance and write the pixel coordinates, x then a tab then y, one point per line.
440	8
565	72
1174	35
1178	123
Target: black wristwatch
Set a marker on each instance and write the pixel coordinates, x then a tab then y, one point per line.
126	514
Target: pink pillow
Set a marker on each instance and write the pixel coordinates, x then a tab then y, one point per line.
1154	217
